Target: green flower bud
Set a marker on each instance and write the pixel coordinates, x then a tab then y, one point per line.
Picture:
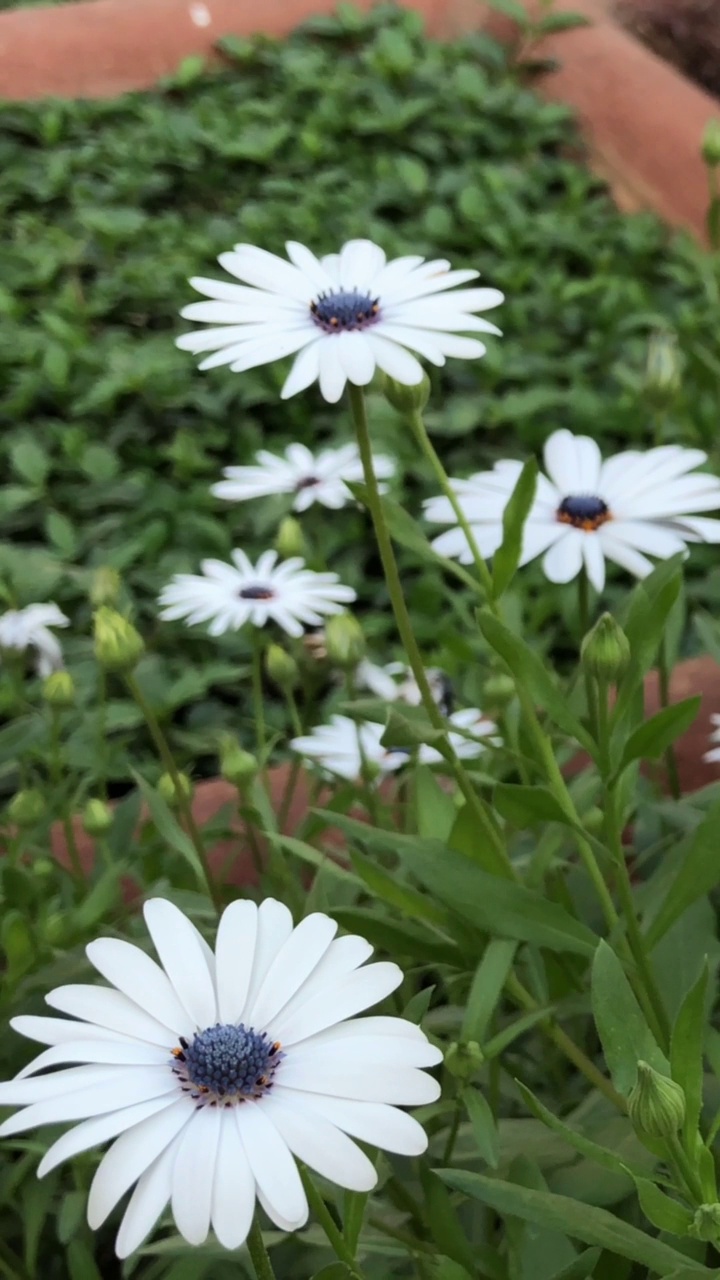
166	789
464	1060
118	646
706	1224
663	368
281	667
498	690
237	765
43	867
656	1104
290	539
27	808
97	817
105	586
605	651
711	143
406	399
59	690
594	820
344	641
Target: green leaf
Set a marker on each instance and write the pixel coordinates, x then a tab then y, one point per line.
624	1033
487	988
443	1222
578	1141
399	937
582	1268
578	1220
507	557
525	806
698	874
168	827
661	1210
553	22
388	887
405	729
435	809
651	739
484	1128
30	461
335	1271
531	673
686	1052
512	9
312	856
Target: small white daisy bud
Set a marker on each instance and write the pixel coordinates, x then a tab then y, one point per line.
27	808
290	539
281	667
344	641
656	1104
605	651
237	765
59	690
118	646
97	817
168	791
407	399
105	586
711	143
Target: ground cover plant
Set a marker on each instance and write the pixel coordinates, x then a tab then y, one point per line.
409	621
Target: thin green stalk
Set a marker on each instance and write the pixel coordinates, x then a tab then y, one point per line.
453	1130
684	1168
483	815
583	603
426	445
335	1237
259	1255
102	738
257	695
664	681
55	765
183	802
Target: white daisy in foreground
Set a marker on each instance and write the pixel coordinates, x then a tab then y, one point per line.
310	478
213	1070
627	508
345	747
713	755
230	595
344	315
28	628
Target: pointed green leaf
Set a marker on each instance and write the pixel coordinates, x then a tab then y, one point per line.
168	827
624	1033
487	987
651	739
686	1052
578	1141
582	1268
525	806
410	727
661	1210
483	1125
443	1222
699	872
435	809
507	557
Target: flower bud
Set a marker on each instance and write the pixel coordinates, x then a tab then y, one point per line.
344	641
281	667
237	765
168	791
27	808
663	368
605	651
97	818
406	399
464	1060
656	1104
43	867
711	143
105	586
290	539
498	690
706	1224
59	690
118	646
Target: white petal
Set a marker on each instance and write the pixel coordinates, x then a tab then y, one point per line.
135	974
648	536
537	537
147	1201
235	949
183	960
356	358
128	1087
405	1051
374	1025
564	560
627	557
321	1145
61	1030
194	1174
373	1122
310	266
275	346
130	1156
699	528
131	1053
399	1086
332	373
233	1203
361	261
573	463
273	1167
338	1001
266	271
18	1093
395	360
274	926
99	1129
305	370
109	1009
342	957
285	1224
293	963
594	561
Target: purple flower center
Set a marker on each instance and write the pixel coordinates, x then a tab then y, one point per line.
225	1064
257	593
341	310
307	482
583	511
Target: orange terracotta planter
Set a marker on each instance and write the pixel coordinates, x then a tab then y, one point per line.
643	120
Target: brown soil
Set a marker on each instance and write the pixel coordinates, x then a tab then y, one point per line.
684	32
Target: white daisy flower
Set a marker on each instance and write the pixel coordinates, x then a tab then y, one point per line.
469	721
712	756
230	595
28	628
344	746
310	478
623	509
213	1070
395	682
344	315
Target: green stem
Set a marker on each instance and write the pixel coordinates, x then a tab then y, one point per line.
664	681
453	1131
427	447
55	765
259	1255
482	813
583	603
684	1168
257	693
183	802
102	732
327	1222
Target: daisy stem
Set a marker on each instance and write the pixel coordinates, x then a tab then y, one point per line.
183	802
426	445
583	603
329	1226
55	763
478	807
664	683
258	1253
257	689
